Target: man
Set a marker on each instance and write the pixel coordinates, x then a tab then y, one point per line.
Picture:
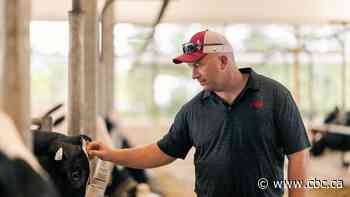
242	125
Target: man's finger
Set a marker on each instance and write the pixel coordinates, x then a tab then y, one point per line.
93	153
93	146
91	156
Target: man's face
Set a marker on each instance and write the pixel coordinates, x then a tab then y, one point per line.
206	71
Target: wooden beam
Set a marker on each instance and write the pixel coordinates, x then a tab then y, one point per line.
311	87
76	60
76	5
343	74
15	78
107	55
296	76
296	65
90	69
101	89
2	36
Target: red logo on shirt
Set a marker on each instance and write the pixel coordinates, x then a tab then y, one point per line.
257	104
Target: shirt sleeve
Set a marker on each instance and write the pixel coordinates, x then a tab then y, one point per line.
177	142
289	123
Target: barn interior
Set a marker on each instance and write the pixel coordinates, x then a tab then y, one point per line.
107	67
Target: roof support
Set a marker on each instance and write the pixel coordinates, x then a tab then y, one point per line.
296	66
107	57
311	86
106	80
296	77
343	73
76	60
15	67
150	37
90	68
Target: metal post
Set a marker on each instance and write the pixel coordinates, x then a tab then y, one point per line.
15	67
296	66
101	89
107	56
343	73
296	78
311	87
2	37
90	69
76	58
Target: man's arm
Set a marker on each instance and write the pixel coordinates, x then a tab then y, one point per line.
149	156
297	167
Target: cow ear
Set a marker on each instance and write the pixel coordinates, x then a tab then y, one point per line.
59	154
85	138
84	143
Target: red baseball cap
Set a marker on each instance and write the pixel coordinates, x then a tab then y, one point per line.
202	43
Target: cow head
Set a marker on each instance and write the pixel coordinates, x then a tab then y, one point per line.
64	158
71	164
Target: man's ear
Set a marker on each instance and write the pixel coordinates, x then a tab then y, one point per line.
224	61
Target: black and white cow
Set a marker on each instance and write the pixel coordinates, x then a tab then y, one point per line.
121	184
333	141
18	179
20	173
123	180
64	158
67	164
139	175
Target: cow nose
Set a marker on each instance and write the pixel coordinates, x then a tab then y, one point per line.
76	175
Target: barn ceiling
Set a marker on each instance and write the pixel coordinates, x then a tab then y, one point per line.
144	12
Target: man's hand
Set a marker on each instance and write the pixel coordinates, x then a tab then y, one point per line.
100	150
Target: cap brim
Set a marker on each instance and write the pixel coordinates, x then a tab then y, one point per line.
188	58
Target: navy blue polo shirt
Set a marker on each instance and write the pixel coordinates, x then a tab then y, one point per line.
237	144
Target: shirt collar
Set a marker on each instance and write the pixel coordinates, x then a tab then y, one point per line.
253	80
252	83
